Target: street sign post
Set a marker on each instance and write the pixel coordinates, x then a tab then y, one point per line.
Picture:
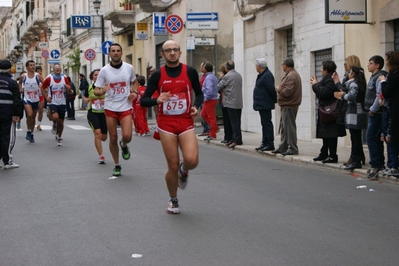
205	41
45	53
174	24
54	61
190	43
90	54
105	47
202	21
55	54
159	23
43	45
141	31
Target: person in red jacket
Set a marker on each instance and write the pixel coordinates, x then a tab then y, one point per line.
140	113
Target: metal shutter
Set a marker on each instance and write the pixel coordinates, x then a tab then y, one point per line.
321	56
290	47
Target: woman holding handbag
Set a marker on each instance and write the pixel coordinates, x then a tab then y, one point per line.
356	116
327	129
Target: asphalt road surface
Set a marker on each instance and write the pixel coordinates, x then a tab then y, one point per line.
61	208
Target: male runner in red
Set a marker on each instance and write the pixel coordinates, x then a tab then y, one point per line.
174	82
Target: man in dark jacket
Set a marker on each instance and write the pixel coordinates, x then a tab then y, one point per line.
70	101
374	128
84	85
264	99
11	110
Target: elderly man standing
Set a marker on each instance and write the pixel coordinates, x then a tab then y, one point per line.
11	110
264	99
231	86
289	96
210	91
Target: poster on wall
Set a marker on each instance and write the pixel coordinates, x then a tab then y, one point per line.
346	11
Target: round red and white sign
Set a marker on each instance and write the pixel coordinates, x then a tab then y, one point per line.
90	54
174	24
45	53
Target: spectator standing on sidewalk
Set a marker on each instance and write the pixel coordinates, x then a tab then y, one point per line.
356	117
265	98
389	87
231	87
226	121
210	91
329	132
70	101
205	125
11	110
371	105
289	97
82	88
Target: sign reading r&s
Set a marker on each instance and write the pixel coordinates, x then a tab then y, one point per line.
80	21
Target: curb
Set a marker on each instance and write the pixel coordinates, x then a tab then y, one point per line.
302	159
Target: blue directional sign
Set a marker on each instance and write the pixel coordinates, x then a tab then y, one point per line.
159	23
202	21
55	54
105	47
80	22
196	16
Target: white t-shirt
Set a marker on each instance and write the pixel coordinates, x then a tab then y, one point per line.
119	81
31	88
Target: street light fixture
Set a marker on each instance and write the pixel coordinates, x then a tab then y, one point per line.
97	5
49	33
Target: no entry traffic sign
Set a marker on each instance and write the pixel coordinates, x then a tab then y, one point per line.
174	24
90	54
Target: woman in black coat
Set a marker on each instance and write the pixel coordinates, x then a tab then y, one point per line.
390	91
329	132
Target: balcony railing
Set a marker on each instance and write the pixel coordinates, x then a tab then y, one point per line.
37	17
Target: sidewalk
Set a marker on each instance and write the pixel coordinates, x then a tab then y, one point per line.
307	151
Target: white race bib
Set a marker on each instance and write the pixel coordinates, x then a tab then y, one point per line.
176	105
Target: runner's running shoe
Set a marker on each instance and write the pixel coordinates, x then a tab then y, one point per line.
39	128
28	133
183	175
59	143
173	206
32	140
125	151
117	170
101	160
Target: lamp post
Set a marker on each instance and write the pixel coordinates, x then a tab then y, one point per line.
50	33
97	5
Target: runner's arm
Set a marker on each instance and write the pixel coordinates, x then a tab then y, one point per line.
146	100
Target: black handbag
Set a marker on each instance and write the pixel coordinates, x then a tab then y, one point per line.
329	113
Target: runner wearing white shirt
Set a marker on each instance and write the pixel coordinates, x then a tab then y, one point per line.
117	81
54	87
29	83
